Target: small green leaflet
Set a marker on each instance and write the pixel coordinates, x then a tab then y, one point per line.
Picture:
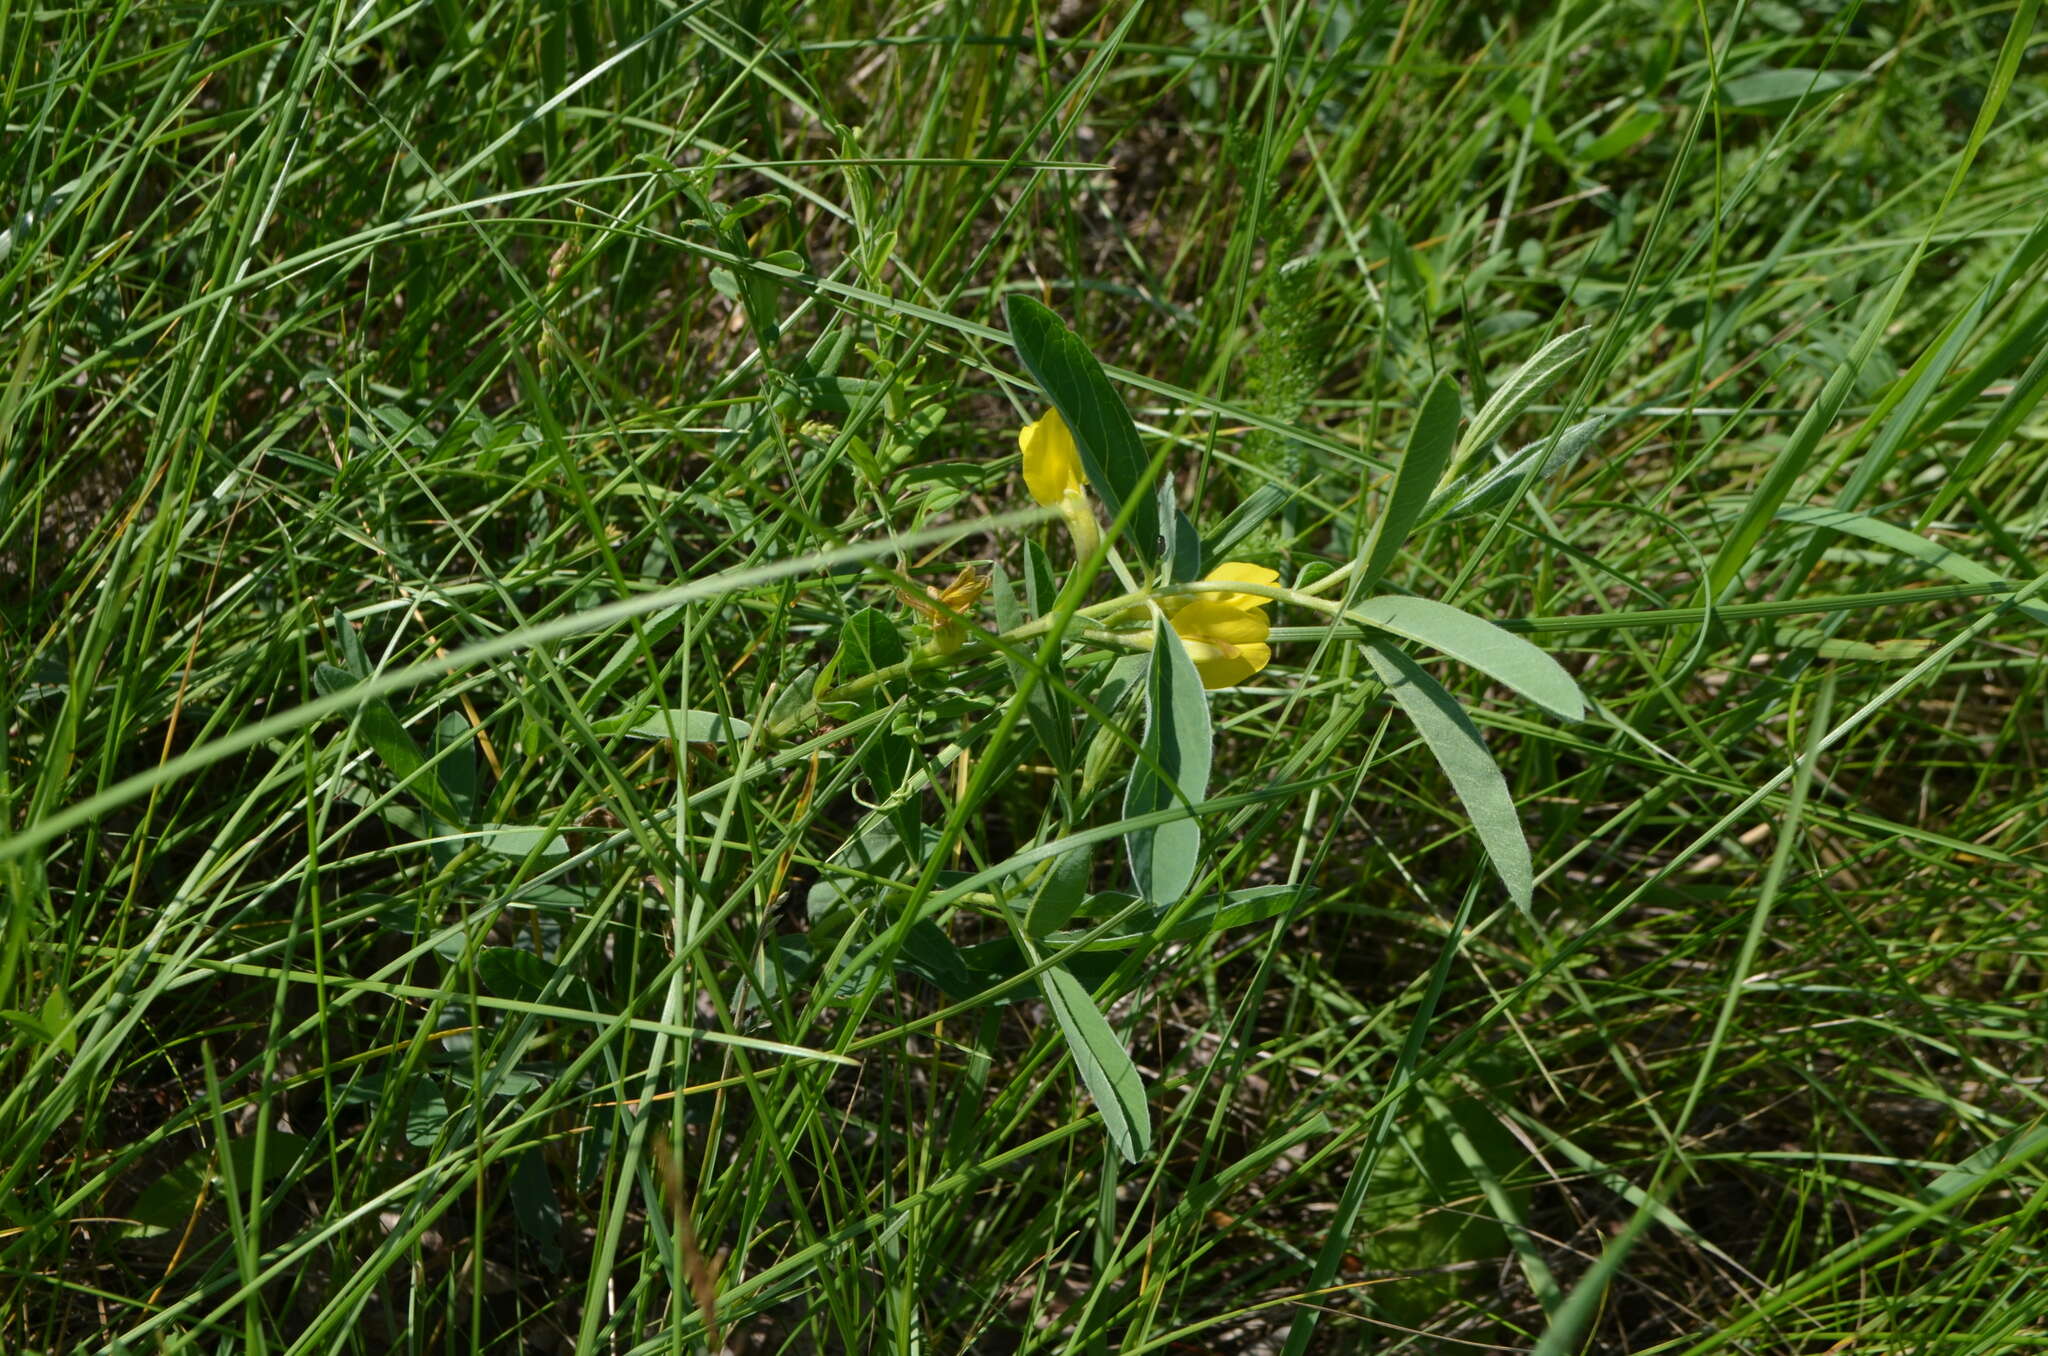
1462	753
1173	769
1061	892
1239	908
1906	542
1780	90
1044	707
1500	655
1415	480
387	737
1520	390
680	723
1105	1066
1246	519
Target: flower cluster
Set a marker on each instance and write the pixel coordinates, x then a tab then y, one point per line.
1225	633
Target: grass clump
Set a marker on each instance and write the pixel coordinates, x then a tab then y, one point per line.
562	792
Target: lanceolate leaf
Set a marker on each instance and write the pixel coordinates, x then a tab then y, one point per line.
1239	908
1542	459
681	723
1104	433
1173	770
1180	545
1500	655
1422	466
394	746
1458	747
1105	1066
1779	91
1246	519
1520	390
1063	890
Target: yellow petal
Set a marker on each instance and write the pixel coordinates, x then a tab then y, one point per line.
1231	669
1240	572
965	590
1052	464
1227	643
1221	623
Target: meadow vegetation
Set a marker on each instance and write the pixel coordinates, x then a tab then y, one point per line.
1477	786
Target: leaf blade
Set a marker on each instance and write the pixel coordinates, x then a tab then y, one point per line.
1462	753
1520	390
1174	770
1479	644
1423	465
1105	1066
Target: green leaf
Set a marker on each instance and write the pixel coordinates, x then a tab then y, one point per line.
1900	650
170	1199
1422	467
1179	545
1462	753
29	1025
1519	112
1045	708
1173	770
1491	1155
1003	598
1246	519
510	972
1500	655
930	954
1520	390
56	1018
455	761
680	723
1427	1205
869	643
535	1207
1060	894
1406	290
495	1079
1907	543
1626	132
1239	908
1103	429
1041	585
520	840
1105	1066
387	737
1543	459
426	1111
1779	91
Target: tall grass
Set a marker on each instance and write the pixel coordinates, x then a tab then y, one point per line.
407	411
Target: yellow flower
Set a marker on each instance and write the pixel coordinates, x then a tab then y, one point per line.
1239	572
964	592
1052	471
943	609
1052	464
1225	633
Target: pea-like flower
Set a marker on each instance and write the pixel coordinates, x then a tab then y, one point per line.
1225	633
1052	464
943	609
1053	474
